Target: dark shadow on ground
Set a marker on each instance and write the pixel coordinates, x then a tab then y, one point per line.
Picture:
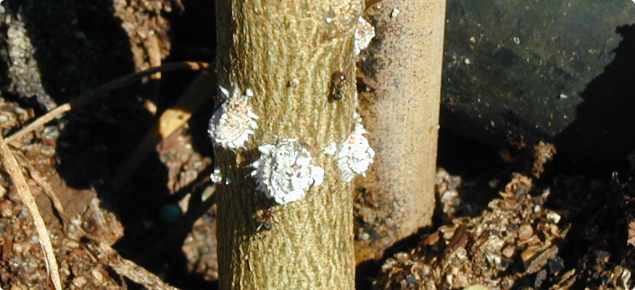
558	72
193	38
603	133
81	45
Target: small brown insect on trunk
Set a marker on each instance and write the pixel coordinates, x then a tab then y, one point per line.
338	82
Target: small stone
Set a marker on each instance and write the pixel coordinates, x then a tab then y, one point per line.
509	251
21	247
556	265
553	217
476	287
99	277
540	277
47	150
19	111
79	281
51	133
527	254
525	231
72	244
6	208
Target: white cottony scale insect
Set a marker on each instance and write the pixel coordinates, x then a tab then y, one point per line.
363	35
331	149
284	173
234	121
356	155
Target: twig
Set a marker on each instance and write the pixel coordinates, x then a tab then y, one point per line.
129	269
101	251
12	167
89	97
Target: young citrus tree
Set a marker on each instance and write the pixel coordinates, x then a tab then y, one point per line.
288	143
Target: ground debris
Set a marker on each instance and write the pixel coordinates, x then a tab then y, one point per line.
57	52
631	233
542	154
514	238
81	230
447	188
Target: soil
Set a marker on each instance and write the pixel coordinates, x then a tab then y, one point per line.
507	219
545	228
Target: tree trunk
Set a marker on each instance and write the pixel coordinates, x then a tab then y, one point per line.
396	198
277	60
